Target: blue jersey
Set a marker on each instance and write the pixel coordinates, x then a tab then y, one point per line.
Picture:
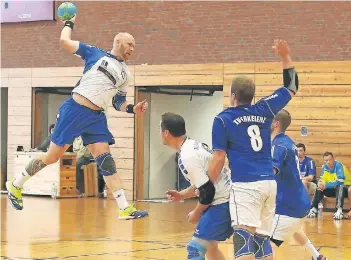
292	197
307	168
244	132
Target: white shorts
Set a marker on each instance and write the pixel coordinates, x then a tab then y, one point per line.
253	204
284	226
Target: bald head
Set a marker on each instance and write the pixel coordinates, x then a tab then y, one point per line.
122	36
123	45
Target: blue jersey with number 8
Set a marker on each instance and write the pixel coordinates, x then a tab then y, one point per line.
244	132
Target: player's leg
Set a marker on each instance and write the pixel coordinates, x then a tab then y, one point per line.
339	197
213	252
275	245
14	186
317	198
197	248
101	184
348	214
214	225
283	228
263	247
107	166
72	119
304	241
246	202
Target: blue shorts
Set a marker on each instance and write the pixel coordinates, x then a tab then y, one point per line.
75	120
215	223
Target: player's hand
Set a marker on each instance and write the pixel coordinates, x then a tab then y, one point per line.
197	193
193	217
321	185
174	195
73	19
140	107
281	48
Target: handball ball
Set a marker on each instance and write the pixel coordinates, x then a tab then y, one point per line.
66	11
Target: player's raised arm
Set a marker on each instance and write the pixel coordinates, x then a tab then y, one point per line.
271	105
290	77
66	41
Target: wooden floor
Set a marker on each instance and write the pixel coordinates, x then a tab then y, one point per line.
88	229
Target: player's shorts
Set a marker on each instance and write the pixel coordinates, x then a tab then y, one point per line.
284	226
253	204
215	224
75	120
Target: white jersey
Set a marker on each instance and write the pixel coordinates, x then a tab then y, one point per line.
193	160
104	76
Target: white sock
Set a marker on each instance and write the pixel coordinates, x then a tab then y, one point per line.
21	179
121	199
311	249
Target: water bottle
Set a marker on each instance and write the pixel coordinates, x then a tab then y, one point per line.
54	191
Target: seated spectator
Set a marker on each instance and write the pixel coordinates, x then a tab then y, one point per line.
332	183
44	146
84	157
307	168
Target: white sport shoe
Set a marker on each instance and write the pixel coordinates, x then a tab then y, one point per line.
313	213
339	214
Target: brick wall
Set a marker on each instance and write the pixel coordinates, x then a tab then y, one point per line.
189	32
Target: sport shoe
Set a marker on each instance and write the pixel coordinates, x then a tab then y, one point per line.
313	213
320	257
132	213
15	195
339	214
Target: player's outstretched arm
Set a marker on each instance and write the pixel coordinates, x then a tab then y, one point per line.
177	196
65	39
290	77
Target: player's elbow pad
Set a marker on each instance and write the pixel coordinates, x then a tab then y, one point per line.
207	193
117	101
291	80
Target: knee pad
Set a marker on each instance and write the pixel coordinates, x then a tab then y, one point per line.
262	246
196	251
106	164
243	242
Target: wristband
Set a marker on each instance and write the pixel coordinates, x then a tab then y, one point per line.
69	24
130	109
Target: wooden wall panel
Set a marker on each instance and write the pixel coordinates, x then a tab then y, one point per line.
19	119
190	74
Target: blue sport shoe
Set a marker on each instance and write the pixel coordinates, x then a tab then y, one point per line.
132	213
